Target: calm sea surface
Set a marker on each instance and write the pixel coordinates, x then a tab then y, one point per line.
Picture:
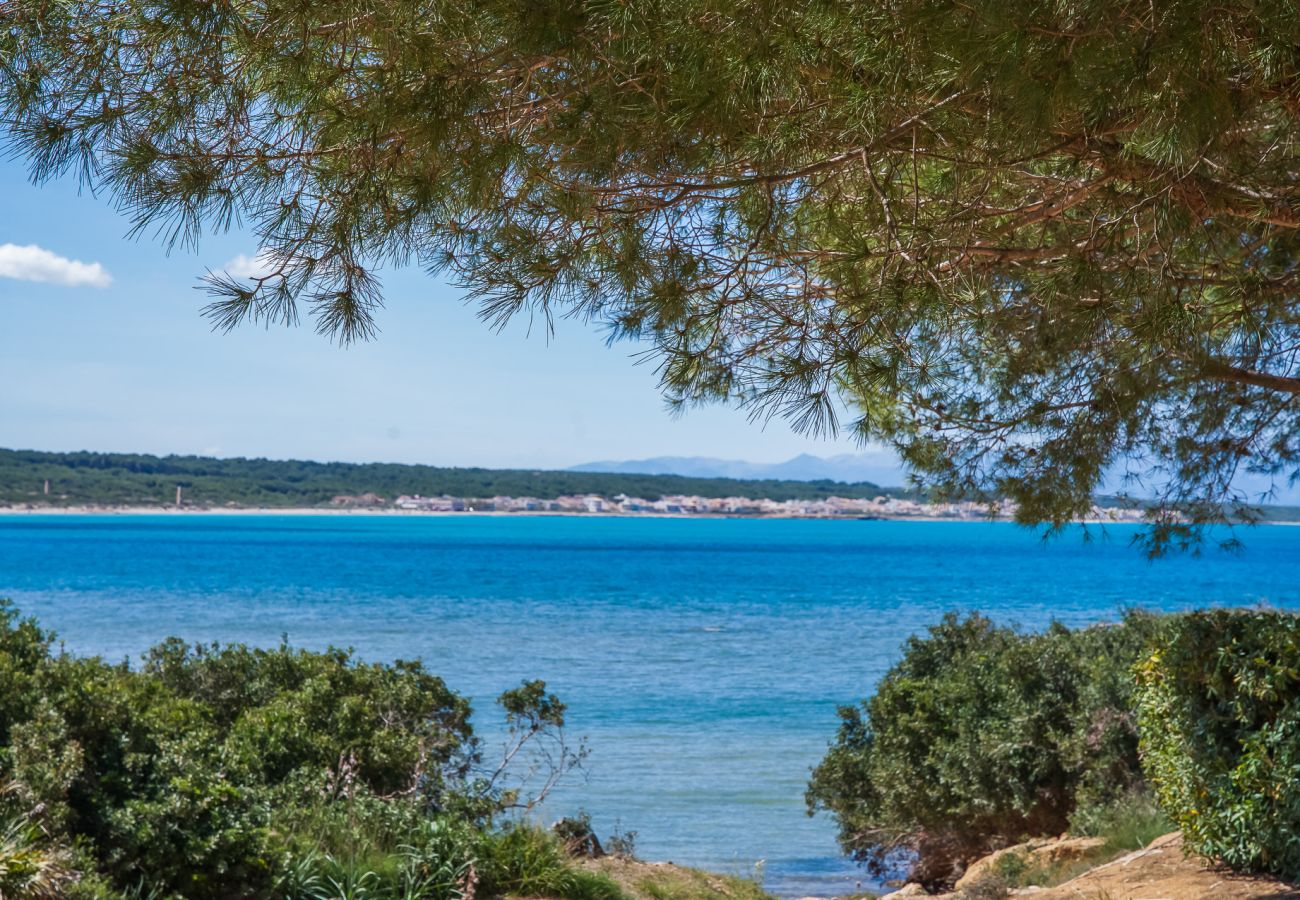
703	660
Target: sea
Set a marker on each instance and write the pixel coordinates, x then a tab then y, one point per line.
702	660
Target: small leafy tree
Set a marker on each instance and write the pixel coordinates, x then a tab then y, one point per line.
537	741
980	736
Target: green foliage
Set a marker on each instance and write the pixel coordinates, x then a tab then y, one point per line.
1127	822
126	479
700	886
1027	243
391	727
31	865
220	771
525	861
1219	702
23	650
437	864
445	860
169	770
980	736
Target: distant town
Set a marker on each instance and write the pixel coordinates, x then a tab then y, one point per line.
880	507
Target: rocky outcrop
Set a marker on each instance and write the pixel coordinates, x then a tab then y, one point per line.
1161	870
908	890
1164	870
1040	853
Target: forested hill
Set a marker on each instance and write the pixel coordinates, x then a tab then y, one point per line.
119	479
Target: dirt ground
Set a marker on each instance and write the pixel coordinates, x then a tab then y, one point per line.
1163	872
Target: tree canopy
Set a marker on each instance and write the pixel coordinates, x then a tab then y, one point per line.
1031	243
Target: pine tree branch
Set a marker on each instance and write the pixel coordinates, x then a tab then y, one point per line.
1221	371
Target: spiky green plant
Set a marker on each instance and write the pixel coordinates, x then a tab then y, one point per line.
31	866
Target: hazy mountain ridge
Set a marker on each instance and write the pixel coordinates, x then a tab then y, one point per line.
851	468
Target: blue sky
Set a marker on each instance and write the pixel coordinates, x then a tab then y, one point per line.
120	360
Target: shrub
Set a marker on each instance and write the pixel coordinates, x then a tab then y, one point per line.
443	859
24	649
980	736
525	861
436	865
224	771
169	772
1219	705
395	726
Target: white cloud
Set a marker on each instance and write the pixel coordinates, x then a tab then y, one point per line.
33	263
245	266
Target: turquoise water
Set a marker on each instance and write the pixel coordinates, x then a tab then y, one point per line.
703	659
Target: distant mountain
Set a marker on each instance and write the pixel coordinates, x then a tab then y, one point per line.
879	467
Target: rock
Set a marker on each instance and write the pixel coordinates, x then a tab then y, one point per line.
1067	850
1163	871
1046	852
986	866
907	890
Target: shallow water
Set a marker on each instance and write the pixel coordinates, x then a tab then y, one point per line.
702	659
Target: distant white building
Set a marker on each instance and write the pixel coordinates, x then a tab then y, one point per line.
430	504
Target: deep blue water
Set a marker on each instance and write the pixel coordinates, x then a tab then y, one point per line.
702	659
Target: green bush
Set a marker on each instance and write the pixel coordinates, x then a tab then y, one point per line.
215	772
1219	706
525	861
446	860
170	770
436	864
980	736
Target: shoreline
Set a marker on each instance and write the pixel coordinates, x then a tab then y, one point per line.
427	513
311	511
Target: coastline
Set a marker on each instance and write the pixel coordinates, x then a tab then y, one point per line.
427	513
311	511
